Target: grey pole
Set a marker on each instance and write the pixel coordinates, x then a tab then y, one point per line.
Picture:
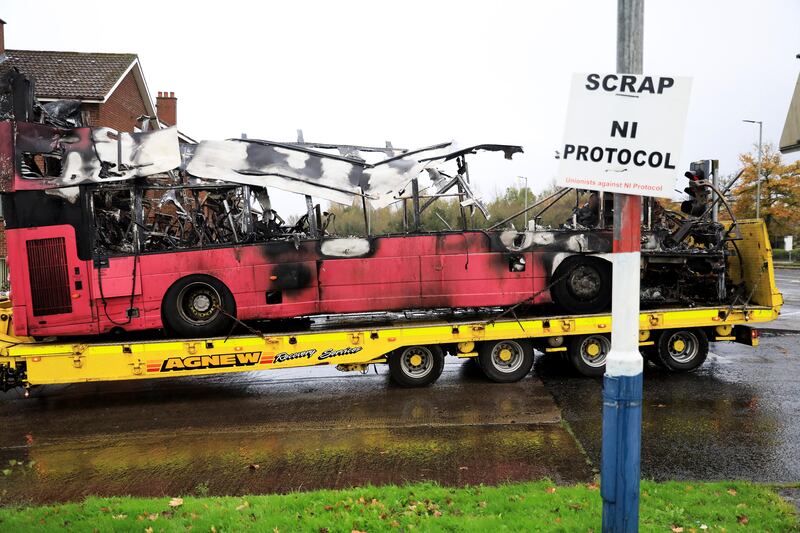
758	172
526	200
758	167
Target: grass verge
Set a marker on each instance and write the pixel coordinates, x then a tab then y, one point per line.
537	506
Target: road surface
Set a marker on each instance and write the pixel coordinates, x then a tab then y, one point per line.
309	428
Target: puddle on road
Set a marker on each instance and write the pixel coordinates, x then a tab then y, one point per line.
234	463
190	436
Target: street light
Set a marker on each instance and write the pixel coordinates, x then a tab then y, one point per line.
758	169
526	200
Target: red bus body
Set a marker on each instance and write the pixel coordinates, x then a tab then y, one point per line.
57	293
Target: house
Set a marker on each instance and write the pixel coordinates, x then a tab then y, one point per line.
790	139
111	88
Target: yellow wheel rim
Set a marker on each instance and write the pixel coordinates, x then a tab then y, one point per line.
415	360
593	349
505	354
679	345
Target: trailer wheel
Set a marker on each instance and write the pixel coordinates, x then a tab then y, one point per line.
505	361
683	350
416	366
588	353
583	286
191	307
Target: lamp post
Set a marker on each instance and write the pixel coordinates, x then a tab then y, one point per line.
758	168
526	200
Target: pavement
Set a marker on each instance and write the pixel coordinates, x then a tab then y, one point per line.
735	418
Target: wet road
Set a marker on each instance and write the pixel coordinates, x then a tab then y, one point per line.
788	281
308	428
282	431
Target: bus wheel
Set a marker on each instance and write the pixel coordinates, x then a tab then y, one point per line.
583	285
683	350
506	361
416	366
193	306
588	354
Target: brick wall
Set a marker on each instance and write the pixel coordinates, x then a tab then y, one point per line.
122	108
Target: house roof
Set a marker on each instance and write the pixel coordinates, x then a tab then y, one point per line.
790	139
70	75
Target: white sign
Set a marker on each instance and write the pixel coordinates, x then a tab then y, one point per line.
787	243
624	133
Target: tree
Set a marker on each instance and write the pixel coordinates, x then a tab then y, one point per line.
780	191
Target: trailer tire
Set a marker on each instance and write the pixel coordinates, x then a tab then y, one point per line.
416	366
583	285
189	308
683	350
588	353
505	361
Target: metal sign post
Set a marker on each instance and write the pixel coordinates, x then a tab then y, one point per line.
622	383
624	133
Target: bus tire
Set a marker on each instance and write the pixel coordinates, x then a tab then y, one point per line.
416	366
583	285
191	307
588	353
683	350
505	361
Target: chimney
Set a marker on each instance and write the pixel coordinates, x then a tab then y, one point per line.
2	38
167	108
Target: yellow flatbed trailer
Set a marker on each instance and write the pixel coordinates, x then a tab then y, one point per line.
674	338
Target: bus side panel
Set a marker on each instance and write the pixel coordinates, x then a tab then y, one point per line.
50	283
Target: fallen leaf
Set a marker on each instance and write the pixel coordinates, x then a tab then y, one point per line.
592	486
119	516
677	529
152	517
6	471
550	490
254	466
703	526
323	530
481	504
176	502
437	514
148	529
395	523
463	468
167	514
356	531
732	492
245	505
105	510
328	507
213	529
742	519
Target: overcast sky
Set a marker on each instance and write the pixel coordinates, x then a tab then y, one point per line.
420	72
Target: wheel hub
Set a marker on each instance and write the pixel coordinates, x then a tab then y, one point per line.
585	282
679	345
593	349
201	303
505	355
415	360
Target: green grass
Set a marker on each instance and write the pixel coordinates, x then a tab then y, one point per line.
538	506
